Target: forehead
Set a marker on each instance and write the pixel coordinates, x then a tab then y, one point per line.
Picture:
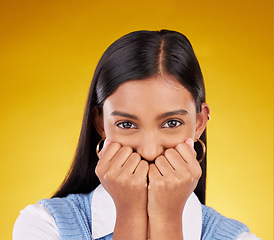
157	94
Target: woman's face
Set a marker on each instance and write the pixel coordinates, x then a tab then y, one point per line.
151	116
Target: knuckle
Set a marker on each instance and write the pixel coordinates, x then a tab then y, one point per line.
169	152
122	180
136	184
116	145
127	149
159	160
179	146
187	177
198	172
136	156
98	170
109	176
143	164
176	183
160	184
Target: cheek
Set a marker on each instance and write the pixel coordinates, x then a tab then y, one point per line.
109	129
172	140
114	135
165	140
125	140
192	130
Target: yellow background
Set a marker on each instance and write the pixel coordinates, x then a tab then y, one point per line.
49	50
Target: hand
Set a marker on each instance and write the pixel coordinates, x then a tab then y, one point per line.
124	176
172	179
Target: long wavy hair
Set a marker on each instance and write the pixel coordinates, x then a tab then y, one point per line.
136	56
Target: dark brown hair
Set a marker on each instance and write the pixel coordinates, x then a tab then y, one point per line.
137	55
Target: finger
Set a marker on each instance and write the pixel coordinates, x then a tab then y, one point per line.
112	166
107	155
131	163
105	158
163	166
187	152
121	157
175	159
153	173
109	152
190	142
142	169
107	142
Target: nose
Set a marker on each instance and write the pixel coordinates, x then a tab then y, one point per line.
150	147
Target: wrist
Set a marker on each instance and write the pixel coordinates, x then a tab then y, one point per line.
166	227
166	214
131	212
165	219
130	226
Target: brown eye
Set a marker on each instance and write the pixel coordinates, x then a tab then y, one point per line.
126	125
172	124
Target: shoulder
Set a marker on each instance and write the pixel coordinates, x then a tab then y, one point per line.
247	236
217	226
80	201
66	208
35	222
49	217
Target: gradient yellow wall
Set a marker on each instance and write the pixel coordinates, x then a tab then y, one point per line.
49	50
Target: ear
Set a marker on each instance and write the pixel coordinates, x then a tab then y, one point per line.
202	119
98	122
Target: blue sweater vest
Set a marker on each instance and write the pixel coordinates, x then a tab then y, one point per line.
72	215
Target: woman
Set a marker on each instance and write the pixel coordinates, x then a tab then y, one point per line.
147	104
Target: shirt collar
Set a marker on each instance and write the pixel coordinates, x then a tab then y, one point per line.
104	215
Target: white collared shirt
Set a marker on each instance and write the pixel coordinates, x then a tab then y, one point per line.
36	222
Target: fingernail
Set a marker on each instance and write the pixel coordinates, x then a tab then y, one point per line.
106	142
190	142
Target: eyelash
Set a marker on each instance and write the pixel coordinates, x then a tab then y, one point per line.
133	126
120	124
177	124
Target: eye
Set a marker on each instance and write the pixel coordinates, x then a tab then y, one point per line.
172	124
126	125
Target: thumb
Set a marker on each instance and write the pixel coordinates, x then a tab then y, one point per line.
190	142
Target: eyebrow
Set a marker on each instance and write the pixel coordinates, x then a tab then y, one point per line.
164	115
122	114
172	113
